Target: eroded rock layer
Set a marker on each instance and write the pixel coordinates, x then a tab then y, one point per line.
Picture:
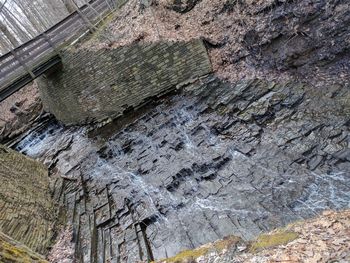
219	159
27	212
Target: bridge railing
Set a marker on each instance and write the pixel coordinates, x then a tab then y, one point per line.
23	59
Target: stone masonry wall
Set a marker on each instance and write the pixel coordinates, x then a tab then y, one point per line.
27	212
96	84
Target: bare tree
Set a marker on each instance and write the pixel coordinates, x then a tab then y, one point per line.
8	35
22	20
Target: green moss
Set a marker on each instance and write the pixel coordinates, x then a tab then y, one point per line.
191	255
222	110
265	241
226	243
25	198
11	251
188	255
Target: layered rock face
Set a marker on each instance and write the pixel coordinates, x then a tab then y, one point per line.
27	212
216	160
264	38
301	35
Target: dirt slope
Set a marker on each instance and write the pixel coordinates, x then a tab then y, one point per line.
268	39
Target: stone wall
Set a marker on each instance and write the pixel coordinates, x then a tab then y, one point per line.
95	84
26	209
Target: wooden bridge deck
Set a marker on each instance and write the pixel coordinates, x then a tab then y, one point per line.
25	63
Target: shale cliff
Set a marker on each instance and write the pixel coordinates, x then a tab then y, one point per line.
217	159
27	212
253	136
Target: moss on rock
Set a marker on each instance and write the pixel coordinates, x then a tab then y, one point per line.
12	251
191	255
265	241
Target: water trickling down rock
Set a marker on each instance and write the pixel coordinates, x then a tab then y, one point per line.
218	159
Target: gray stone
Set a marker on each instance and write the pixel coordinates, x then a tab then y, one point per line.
188	172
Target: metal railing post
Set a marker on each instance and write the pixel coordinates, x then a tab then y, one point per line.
48	40
90	25
22	64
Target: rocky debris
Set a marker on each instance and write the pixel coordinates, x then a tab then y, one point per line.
323	239
14	252
63	250
226	158
306	40
27	212
19	112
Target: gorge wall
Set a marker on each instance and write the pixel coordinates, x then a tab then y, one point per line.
97	84
217	159
26	208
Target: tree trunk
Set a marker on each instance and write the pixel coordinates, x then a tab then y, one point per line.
8	35
69	4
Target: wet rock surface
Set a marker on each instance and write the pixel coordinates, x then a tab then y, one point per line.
218	159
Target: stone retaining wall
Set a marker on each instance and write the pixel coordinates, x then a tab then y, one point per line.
96	84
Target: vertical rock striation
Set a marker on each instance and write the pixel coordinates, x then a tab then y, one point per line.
220	159
27	212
